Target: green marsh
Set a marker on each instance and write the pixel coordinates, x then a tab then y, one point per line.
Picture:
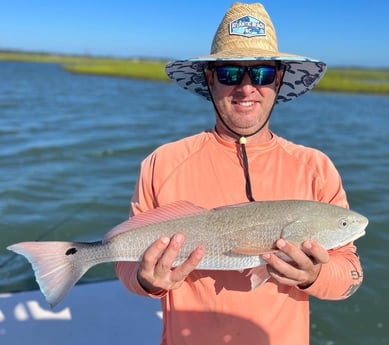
337	79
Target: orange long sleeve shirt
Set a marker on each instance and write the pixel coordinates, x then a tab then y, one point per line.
218	307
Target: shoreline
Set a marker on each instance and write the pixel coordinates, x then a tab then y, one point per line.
337	79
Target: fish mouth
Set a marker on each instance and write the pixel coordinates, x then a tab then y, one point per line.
352	238
358	235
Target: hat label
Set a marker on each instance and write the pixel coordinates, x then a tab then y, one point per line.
247	26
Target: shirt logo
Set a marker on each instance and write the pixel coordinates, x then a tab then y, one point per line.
247	26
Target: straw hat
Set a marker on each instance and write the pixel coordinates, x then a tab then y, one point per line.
246	33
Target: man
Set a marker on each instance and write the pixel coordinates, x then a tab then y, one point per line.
240	160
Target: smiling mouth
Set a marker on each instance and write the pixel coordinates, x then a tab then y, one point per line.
244	103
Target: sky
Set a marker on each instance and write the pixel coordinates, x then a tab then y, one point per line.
339	32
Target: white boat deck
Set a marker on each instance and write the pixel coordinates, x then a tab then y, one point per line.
100	313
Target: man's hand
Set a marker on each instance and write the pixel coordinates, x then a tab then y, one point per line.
305	266
156	273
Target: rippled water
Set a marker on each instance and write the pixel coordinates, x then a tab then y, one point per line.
70	148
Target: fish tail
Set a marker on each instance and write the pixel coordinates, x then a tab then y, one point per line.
56	265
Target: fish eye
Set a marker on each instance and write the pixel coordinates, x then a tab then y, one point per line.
343	223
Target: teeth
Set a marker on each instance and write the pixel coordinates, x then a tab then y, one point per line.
246	104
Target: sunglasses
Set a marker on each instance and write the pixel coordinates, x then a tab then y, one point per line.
234	74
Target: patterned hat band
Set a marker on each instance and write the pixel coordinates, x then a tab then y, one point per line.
246	33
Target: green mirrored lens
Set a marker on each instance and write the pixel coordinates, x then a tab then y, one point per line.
230	75
233	74
262	75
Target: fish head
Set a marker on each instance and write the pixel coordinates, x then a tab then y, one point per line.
341	230
331	226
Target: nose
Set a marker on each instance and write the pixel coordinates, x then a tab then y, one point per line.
246	86
246	78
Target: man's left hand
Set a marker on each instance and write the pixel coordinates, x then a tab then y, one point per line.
305	266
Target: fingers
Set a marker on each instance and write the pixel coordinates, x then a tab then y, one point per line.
316	251
155	271
182	271
153	253
303	267
147	266
168	256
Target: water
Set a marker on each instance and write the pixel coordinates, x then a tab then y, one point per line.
71	145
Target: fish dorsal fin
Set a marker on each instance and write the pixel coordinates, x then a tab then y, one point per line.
169	211
242	204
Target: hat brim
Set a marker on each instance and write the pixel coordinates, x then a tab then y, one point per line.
301	73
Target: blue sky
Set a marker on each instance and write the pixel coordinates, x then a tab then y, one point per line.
339	32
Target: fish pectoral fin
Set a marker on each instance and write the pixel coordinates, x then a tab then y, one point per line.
290	230
251	250
258	276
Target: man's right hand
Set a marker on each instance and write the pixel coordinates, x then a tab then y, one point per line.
156	272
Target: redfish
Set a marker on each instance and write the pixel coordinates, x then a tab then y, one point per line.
234	238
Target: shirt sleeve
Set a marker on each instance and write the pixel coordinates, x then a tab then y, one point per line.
340	277
142	200
343	274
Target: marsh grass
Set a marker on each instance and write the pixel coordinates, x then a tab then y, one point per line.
141	69
43	57
355	80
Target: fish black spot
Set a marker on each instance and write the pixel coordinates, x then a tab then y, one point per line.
71	251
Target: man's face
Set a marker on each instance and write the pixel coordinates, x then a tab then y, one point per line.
246	106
